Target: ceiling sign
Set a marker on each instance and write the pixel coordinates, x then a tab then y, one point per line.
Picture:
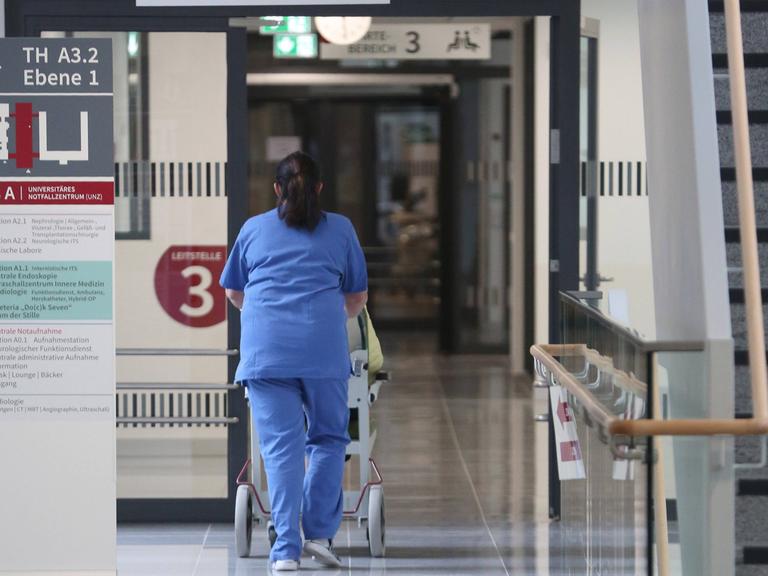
219	3
455	41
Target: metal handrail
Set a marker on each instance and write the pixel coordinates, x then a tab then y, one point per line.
177	352
592	357
629	334
174	386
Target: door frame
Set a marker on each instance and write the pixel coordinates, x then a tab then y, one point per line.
29	17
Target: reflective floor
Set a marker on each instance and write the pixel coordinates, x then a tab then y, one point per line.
464	467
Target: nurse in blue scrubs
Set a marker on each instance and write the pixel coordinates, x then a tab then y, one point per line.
296	273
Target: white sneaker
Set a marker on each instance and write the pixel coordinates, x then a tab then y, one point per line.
322	551
285	565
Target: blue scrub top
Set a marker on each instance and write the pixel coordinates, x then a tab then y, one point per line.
293	322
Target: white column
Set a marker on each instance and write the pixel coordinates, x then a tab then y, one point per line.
689	265
541	175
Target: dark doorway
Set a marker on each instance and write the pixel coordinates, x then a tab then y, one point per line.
381	157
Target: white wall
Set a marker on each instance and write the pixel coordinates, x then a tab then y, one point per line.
624	254
140	319
541	177
621	128
624	245
187	104
188	96
164	462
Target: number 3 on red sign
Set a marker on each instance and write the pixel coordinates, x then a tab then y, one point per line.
186	286
199	290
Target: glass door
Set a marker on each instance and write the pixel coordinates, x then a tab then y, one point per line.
483	215
173	396
404	255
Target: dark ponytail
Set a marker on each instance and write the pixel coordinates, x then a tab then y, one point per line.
298	176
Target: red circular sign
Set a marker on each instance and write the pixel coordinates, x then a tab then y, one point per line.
187	284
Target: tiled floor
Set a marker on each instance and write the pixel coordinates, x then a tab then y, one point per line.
465	485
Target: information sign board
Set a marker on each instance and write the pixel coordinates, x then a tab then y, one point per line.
454	41
57	347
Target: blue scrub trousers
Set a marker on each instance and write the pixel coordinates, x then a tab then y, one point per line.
278	407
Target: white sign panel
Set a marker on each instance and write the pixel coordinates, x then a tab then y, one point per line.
570	462
256	2
57	345
455	41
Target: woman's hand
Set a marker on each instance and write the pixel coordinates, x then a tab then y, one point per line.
236	297
354	303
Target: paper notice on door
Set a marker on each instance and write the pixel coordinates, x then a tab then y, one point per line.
570	463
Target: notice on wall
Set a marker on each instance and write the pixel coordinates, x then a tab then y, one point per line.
454	41
56	214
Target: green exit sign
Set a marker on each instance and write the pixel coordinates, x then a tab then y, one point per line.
295	45
286	25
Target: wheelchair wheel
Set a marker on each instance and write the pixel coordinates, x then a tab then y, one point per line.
243	521
376	525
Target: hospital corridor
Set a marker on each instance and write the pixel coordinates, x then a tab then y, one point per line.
383	287
463	494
